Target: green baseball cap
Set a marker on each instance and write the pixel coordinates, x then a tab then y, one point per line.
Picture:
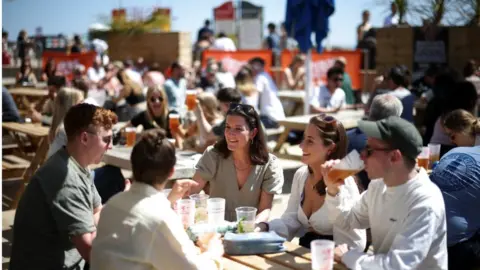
397	132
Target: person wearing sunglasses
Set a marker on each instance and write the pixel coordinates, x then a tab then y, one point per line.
306	215
56	218
330	97
403	208
238	167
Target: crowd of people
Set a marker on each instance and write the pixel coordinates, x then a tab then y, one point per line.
72	217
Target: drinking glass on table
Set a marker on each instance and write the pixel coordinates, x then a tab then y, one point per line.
131	134
246	219
423	158
216	211
322	254
434	152
200	200
186	210
174	122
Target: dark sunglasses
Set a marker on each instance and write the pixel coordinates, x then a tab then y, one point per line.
338	79
369	150
155	100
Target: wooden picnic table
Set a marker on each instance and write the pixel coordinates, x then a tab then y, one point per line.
119	156
295	96
38	137
25	96
349	119
10	82
295	257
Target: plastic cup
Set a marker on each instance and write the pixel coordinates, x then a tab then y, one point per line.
131	134
166	191
186	210
322	254
246	218
201	214
216	211
434	151
174	122
423	158
191	100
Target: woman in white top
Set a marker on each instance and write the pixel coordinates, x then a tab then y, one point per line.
307	215
463	128
65	99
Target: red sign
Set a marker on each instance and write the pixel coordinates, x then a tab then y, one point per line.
224	12
66	63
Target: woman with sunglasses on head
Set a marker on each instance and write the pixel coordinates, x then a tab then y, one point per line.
238	167
306	214
463	128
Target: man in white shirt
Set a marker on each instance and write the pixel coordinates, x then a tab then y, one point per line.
403	208
393	18
224	43
330	97
96	73
139	229
270	106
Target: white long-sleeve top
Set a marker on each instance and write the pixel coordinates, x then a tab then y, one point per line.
294	222
407	223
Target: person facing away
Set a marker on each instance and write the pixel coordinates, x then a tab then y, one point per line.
306	215
139	229
462	127
223	43
205	31
458	177
176	86
56	218
383	106
272	42
10	111
403	208
270	107
329	98
238	167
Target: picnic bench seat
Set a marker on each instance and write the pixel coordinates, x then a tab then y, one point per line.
13	167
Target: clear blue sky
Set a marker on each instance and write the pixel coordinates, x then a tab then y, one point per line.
69	17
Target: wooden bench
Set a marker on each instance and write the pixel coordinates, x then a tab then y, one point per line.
13	167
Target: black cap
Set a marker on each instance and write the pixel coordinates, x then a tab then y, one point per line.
397	132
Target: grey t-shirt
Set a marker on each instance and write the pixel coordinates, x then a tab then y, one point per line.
57	204
221	174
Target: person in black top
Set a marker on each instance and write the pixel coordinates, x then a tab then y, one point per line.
26	76
205	31
156	115
77	45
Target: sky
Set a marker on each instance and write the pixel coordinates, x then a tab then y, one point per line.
74	17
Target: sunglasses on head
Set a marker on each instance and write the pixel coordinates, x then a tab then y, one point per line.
242	107
155	100
328	119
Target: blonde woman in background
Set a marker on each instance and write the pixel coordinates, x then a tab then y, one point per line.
65	99
462	127
294	75
207	104
246	86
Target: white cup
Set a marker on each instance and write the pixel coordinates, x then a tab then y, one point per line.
186	210
322	254
216	211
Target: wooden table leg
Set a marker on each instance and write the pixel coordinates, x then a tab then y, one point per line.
36	162
281	140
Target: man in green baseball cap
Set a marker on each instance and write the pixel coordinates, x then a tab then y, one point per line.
402	207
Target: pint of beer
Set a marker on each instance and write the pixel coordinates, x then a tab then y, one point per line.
174	122
348	166
131	134
423	158
434	151
191	99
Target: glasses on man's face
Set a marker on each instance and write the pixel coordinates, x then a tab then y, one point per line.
338	79
105	139
156	99
370	150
